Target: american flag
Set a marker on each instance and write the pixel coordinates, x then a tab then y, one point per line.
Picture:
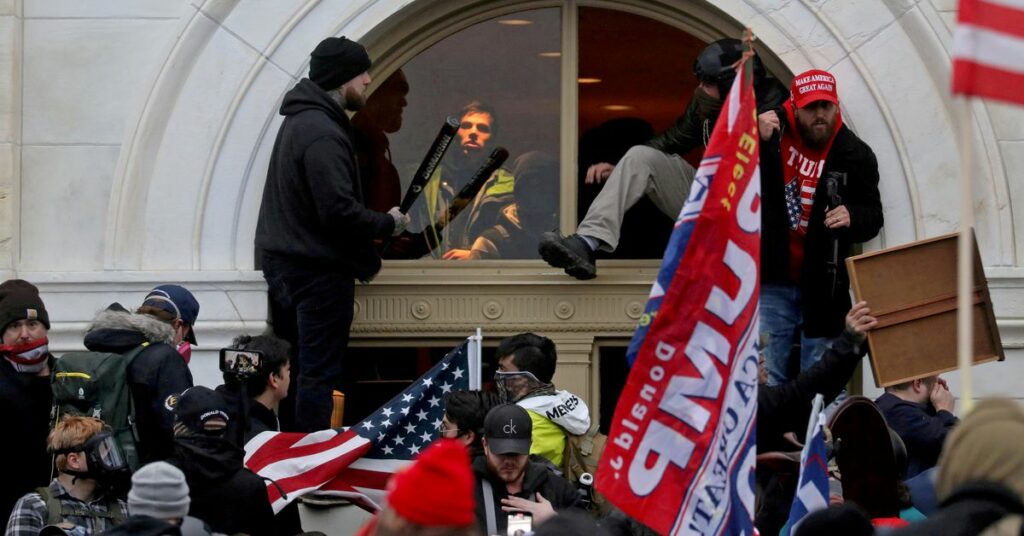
812	488
355	463
793	202
988	49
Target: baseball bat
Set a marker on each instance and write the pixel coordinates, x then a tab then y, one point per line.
466	195
429	163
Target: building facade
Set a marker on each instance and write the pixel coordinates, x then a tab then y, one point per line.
135	137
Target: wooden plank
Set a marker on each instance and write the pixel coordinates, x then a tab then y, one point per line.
912	290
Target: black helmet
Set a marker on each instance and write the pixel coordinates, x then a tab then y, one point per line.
714	64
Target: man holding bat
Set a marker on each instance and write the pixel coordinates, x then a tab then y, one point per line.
314	234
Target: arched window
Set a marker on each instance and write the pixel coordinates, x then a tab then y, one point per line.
561	88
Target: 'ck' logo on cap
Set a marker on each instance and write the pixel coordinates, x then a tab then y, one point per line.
509	428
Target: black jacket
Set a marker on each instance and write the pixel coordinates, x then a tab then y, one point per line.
313	207
144	526
922	429
538	478
968	511
155	374
823	310
25	402
260	417
688	131
228	497
787	407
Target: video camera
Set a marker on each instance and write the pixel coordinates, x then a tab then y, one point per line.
242	364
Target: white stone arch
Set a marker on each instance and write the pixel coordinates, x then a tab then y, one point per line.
190	175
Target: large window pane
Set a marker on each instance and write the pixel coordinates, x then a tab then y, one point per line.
500	77
636	78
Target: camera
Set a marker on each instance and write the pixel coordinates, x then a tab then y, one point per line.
241	363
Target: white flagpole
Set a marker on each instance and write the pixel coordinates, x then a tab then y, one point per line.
476	360
819	401
965	258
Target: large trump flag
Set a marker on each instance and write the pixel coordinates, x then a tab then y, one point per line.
680	455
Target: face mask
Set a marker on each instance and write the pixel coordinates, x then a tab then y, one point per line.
185	349
105	460
28	357
513	386
708	107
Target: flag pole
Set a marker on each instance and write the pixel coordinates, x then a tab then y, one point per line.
965	258
476	361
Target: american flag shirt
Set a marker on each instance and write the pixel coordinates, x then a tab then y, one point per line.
355	463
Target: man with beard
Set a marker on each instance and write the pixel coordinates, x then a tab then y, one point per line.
806	234
314	233
25	395
508	482
478	128
657	169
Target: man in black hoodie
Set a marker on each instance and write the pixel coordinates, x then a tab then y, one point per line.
228	497
314	235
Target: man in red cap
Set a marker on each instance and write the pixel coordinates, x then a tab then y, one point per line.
433	496
819	195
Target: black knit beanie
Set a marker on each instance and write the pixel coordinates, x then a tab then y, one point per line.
337	60
19	300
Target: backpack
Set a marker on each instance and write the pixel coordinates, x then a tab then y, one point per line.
581	455
95	384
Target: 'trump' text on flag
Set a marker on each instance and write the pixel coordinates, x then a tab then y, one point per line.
680	455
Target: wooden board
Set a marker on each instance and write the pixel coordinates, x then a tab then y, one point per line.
911	289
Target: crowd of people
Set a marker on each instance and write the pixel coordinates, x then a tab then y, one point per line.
118	440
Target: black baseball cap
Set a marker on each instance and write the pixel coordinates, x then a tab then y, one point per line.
198	405
508	430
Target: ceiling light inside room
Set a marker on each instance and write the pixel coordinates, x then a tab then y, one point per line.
616	107
585	80
515	22
555	54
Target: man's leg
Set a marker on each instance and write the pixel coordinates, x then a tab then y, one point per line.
642	171
324	308
780	317
285	327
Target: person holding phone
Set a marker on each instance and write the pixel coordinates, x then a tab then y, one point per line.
512	492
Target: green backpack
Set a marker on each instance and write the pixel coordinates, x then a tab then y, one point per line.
95	384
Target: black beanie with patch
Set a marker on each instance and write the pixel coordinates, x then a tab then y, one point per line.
19	300
337	60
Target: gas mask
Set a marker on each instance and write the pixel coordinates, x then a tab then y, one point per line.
513	386
105	462
29	357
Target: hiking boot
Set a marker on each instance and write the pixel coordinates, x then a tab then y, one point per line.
570	253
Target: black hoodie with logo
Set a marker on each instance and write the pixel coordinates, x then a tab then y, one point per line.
228	497
313	210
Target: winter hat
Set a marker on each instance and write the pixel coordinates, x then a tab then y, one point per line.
159	490
443	468
19	300
337	60
814	85
984	446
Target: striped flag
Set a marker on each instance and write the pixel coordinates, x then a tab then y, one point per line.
812	488
988	49
680	453
356	463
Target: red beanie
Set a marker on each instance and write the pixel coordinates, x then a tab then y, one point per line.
437	489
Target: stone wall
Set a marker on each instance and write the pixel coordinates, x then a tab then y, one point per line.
135	135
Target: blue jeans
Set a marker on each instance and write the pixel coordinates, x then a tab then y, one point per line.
320	304
782	320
